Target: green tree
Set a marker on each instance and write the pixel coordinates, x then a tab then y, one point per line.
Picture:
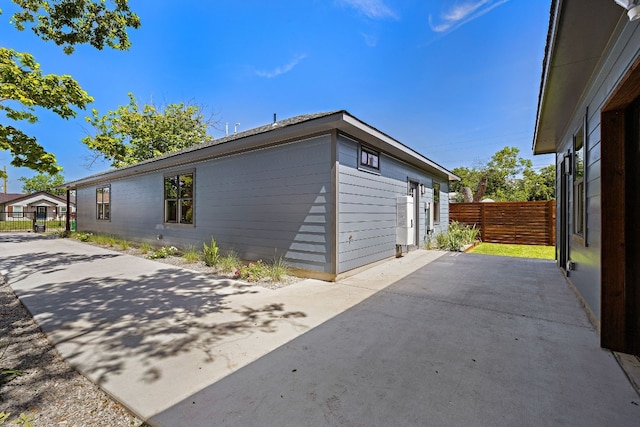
43	182
132	133
23	87
509	178
542	185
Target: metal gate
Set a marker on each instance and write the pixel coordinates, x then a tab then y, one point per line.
35	221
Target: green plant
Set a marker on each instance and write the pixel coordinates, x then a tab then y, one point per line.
145	248
7	375
191	254
63	233
83	237
211	254
105	240
22	420
252	272
163	252
229	262
278	269
456	236
124	244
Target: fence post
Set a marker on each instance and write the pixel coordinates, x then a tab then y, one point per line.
551	222
482	224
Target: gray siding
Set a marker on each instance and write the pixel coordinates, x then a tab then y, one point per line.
367	206
586	278
264	203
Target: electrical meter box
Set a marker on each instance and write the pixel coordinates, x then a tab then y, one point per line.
405	231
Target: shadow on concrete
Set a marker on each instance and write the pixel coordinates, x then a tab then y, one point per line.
465	340
15	237
149	317
20	267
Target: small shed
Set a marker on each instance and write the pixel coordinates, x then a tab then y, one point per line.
320	190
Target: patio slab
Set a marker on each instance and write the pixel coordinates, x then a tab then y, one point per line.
428	339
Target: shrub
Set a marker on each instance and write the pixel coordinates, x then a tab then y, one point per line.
63	233
278	269
457	236
145	248
83	237
211	254
252	272
191	255
163	252
260	270
229	262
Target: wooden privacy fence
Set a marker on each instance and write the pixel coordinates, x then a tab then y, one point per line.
524	223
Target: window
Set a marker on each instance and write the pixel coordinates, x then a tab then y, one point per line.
436	203
369	158
17	212
178	199
579	200
103	203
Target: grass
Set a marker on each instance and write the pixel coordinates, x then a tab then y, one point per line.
27	224
192	255
519	251
229	262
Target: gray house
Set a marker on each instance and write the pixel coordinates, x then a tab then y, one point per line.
322	190
589	115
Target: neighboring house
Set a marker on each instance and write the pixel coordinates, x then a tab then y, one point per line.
589	115
319	190
43	205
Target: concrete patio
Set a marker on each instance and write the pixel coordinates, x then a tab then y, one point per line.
432	338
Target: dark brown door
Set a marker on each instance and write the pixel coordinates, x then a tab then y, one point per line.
632	226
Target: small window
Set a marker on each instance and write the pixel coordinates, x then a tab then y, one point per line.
579	200
369	158
17	212
178	199
436	203
103	203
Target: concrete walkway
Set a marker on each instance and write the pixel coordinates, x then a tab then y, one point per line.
428	339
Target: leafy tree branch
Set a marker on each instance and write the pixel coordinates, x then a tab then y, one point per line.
71	22
133	133
23	86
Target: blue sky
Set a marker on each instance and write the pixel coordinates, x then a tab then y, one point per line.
456	80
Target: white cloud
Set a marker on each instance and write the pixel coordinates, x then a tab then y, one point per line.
375	9
281	70
370	39
462	13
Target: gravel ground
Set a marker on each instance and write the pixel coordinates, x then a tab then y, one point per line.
50	390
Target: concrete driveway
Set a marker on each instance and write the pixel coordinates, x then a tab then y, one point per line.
432	338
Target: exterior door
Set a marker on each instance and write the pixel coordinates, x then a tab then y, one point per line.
632	225
415	193
41	213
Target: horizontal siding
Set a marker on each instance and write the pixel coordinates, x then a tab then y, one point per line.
264	203
586	277
367	206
